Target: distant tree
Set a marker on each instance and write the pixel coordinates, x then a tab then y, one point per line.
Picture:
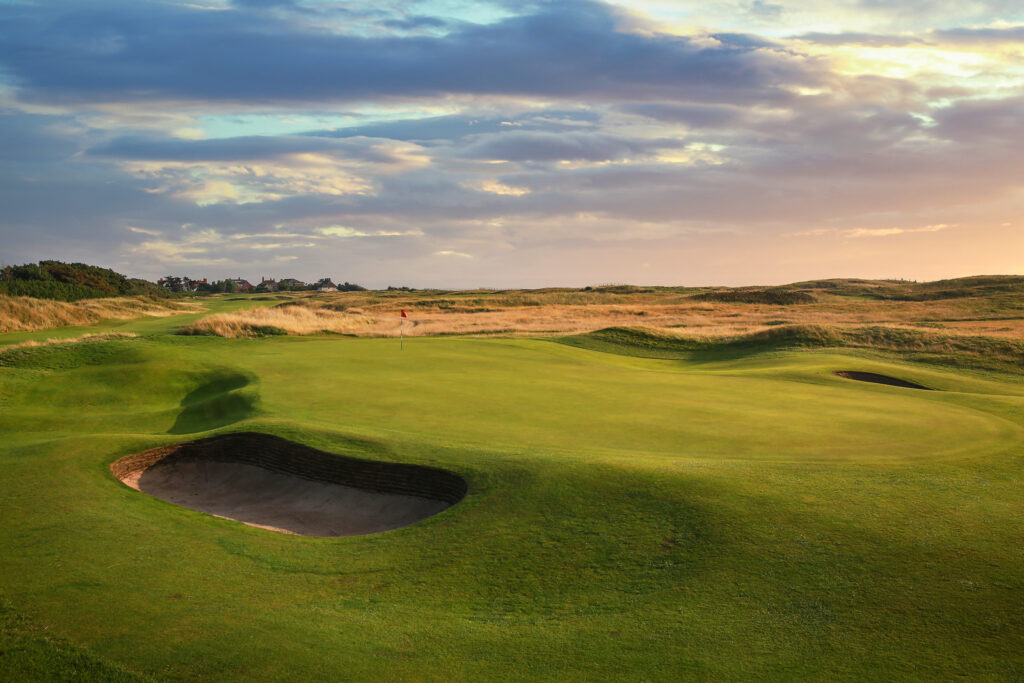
174	283
218	287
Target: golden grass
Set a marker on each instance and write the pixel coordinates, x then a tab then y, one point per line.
68	340
299	320
534	313
22	313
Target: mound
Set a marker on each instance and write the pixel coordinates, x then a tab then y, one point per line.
880	379
771	297
224	398
652	343
273	483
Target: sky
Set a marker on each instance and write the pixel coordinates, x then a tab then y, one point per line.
458	144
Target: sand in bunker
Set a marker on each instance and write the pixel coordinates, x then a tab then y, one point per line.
279	501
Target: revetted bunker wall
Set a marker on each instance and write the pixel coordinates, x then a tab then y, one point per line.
287	457
875	378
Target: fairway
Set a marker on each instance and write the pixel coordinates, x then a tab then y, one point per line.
627	516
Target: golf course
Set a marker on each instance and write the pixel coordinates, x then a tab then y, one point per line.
730	513
473	341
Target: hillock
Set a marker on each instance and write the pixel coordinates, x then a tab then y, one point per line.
907	290
771	297
961	351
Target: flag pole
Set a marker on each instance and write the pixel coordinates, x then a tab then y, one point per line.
401	333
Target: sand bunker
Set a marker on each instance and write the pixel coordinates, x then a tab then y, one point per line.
273	483
880	379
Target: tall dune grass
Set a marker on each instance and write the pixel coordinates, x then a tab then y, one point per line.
67	340
534	312
22	313
293	319
707	320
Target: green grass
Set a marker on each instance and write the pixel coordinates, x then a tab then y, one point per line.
740	513
29	653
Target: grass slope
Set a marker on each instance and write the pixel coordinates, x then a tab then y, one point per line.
29	653
731	516
977	352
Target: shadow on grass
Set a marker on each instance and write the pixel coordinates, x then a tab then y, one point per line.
219	401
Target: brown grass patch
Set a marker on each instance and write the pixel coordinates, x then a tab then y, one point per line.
293	319
22	313
68	340
538	312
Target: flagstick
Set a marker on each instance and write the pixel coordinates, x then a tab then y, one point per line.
401	338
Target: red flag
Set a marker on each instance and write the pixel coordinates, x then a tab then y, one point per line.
404	314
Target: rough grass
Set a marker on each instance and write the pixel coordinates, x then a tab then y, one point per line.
105	336
292	319
773	297
904	290
21	313
542	312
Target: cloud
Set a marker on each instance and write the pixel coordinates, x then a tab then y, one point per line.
143	231
534	146
565	49
519	147
766	10
695	115
455	126
888	232
254	169
37	139
496	187
213	183
263	4
415	22
983	121
345	231
858	38
254	147
985	36
944	8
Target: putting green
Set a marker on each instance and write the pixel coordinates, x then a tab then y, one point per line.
626	517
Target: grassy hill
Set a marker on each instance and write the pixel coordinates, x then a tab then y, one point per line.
904	290
980	352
